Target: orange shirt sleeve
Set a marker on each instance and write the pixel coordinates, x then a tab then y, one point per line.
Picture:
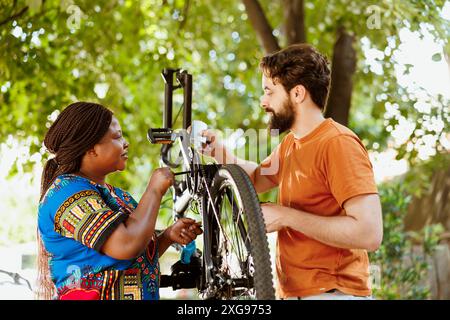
348	169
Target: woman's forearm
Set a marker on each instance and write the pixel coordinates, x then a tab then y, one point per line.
164	241
140	225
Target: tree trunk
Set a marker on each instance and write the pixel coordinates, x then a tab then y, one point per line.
343	68
261	25
344	55
433	206
294	21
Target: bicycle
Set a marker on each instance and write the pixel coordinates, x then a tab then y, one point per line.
235	262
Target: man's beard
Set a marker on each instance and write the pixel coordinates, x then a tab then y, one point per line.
283	119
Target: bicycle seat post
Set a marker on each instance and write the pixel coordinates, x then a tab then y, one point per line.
167	75
186	81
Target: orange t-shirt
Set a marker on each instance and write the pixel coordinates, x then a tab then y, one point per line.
317	174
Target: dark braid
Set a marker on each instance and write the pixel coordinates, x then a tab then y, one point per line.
76	130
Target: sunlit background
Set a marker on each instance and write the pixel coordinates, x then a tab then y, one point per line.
418	52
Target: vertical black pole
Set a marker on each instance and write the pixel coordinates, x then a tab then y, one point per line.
187	112
168	93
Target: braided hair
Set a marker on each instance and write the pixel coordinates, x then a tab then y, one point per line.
77	129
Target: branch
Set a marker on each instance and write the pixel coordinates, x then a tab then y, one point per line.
294	17
261	25
20	13
185	14
14	16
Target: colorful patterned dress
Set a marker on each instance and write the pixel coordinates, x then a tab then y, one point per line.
76	216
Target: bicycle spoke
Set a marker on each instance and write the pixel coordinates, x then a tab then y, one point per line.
237	250
227	254
236	234
240	223
237	264
238	213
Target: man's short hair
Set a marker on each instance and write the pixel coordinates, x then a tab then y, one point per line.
300	64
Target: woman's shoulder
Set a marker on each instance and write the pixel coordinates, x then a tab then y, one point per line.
66	185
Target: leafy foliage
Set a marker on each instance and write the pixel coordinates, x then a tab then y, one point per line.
114	51
403	256
49	58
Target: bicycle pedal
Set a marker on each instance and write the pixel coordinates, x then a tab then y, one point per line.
160	135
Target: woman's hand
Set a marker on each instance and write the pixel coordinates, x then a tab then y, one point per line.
183	231
161	180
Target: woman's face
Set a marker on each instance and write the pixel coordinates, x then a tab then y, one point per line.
112	149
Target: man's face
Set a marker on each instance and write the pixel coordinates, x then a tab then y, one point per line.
278	104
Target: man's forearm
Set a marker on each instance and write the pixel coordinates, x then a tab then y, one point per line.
226	157
337	231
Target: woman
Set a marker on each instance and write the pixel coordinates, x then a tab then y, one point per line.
96	241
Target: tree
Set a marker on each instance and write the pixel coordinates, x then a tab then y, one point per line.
54	52
349	21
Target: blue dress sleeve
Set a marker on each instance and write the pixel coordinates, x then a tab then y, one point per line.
81	213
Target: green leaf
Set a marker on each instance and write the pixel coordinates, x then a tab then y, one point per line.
34	5
437	57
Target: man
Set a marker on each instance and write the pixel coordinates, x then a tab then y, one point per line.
329	212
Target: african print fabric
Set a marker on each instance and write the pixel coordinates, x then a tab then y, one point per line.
76	217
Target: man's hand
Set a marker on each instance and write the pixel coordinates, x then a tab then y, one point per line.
273	216
214	146
361	226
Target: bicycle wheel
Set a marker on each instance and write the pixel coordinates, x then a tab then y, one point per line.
237	241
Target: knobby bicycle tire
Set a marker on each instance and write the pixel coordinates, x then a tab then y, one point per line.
235	177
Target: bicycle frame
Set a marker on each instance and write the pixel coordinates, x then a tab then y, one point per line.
184	80
203	184
187	189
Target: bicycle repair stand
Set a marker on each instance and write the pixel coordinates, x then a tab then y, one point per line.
184	276
185	273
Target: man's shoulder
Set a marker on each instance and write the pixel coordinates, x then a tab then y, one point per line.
330	132
341	139
335	129
336	132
